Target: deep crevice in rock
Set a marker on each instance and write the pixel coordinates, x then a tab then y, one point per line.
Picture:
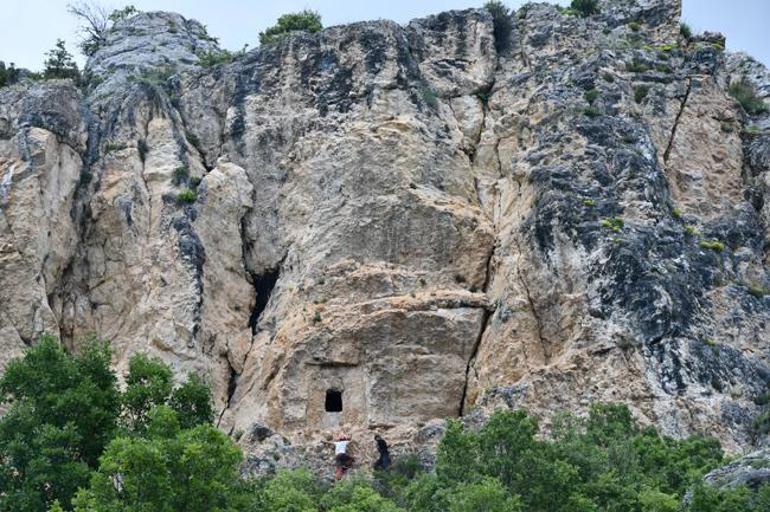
545	345
232	384
484	321
486	315
676	121
263	288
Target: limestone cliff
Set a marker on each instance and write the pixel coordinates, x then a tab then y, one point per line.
427	219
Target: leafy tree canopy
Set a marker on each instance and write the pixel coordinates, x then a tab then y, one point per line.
70	440
304	21
59	63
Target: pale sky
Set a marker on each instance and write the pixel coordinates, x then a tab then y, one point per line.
30	27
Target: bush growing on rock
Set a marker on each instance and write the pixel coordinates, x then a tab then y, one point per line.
96	21
60	63
503	24
585	7
685	30
8	75
303	21
187	196
743	91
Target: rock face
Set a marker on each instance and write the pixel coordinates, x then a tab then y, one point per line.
751	471
404	222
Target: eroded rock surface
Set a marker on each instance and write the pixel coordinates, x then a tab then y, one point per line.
420	218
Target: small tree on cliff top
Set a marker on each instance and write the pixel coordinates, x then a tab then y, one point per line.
96	20
585	7
503	24
60	63
304	21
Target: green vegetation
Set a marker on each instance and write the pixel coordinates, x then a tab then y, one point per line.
634	26
585	7
303	21
213	58
193	140
591	95
123	14
187	195
615	224
637	66
743	91
592	112
429	97
96	22
752	130
758	291
70	440
640	93
714	245
685	30
502	22
8	75
589	202
59	63
155	77
676	213
691	230
67	425
181	175
143	149
63	412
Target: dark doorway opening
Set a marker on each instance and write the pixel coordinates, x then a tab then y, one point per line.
333	400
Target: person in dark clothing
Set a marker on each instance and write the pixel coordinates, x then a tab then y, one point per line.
383	463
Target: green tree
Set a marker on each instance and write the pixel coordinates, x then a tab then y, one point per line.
745	93
290	491
585	7
356	496
123	14
62	412
171	469
59	63
8	75
488	495
304	21
148	384
502	23
427	493
192	402
458	455
96	21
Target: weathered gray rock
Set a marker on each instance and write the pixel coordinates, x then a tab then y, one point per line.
415	217
148	46
752	471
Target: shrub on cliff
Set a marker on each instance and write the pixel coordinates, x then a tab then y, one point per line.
96	21
585	7
59	63
503	24
745	93
8	75
304	21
